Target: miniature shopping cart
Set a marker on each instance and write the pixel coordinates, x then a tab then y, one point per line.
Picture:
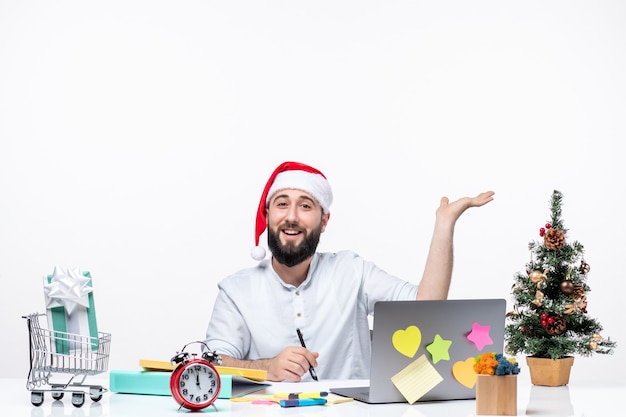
53	353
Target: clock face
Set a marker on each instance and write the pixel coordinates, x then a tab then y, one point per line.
195	384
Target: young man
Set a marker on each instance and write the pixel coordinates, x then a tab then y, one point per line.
327	296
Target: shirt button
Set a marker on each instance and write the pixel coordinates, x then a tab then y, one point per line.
297	292
299	314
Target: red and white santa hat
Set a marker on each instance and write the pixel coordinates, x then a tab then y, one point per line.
293	175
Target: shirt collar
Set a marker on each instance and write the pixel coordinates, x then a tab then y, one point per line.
306	282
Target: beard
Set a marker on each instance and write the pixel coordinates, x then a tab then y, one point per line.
291	254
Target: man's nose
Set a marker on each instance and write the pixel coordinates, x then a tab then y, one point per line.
292	213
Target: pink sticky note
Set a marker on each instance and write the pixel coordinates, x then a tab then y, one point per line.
263	402
480	336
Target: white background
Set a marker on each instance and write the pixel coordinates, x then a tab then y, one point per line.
136	137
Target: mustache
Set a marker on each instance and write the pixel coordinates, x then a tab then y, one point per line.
290	225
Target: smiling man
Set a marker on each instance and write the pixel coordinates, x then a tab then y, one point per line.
327	296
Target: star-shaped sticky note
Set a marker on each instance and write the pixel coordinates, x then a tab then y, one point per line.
439	349
480	336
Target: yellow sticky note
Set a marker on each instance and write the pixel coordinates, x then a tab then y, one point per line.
336	399
407	341
464	373
152	365
416	379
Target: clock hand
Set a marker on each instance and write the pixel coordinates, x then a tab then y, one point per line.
197	378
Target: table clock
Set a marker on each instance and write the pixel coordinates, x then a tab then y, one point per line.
195	383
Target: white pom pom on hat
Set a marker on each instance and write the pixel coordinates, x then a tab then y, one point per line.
294	175
257	253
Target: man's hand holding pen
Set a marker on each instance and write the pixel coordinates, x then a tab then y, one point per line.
291	364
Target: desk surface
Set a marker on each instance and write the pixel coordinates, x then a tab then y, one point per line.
579	398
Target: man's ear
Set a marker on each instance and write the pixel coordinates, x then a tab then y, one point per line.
325	218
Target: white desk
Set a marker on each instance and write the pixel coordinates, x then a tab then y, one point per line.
579	398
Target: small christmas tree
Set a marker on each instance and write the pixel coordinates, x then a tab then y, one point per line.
550	317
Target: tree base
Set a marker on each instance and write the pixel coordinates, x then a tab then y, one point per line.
550	372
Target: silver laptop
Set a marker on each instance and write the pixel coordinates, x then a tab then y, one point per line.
463	329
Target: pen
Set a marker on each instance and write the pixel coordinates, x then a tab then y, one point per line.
302	402
299	395
311	370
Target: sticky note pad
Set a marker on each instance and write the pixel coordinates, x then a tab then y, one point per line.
416	379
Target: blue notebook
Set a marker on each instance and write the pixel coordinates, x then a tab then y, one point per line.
158	383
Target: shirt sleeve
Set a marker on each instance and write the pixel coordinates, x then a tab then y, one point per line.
378	285
227	333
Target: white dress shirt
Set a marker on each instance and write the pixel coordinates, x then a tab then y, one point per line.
256	314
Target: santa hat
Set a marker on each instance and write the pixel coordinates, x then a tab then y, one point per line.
293	175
